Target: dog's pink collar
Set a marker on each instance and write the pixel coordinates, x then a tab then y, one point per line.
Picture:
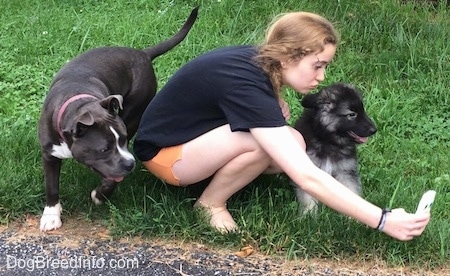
63	108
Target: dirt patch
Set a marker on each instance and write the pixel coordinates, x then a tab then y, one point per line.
93	238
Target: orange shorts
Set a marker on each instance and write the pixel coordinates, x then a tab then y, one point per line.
161	164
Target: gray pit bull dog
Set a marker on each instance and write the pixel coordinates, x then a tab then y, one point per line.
94	104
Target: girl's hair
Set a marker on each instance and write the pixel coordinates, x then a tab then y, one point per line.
290	37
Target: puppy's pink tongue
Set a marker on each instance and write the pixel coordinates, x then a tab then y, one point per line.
363	139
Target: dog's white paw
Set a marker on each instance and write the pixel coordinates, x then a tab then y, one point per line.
51	218
307	204
95	199
311	209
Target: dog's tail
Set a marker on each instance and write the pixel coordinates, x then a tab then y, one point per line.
161	48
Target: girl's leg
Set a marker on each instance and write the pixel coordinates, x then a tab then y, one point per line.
229	179
234	158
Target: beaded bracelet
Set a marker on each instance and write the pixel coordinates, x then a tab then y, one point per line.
382	221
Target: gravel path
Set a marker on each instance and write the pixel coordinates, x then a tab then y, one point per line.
82	248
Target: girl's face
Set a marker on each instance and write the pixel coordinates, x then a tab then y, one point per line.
304	75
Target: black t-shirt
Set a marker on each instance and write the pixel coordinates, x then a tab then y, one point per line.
221	87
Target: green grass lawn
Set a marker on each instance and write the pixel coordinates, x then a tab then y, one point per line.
398	54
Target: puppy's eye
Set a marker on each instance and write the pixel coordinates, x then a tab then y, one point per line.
352	115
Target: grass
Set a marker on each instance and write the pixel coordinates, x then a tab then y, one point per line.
398	54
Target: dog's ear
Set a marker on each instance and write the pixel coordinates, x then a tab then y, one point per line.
79	126
112	103
310	100
323	99
85	120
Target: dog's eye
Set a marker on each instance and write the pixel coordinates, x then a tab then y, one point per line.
105	149
352	115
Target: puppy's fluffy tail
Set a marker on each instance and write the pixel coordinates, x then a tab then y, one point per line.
168	44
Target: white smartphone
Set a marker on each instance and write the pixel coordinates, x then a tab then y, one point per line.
426	201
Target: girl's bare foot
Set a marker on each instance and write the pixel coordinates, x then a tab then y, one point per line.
219	217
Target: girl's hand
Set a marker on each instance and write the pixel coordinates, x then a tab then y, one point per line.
285	109
405	226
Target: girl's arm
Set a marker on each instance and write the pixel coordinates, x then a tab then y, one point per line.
281	145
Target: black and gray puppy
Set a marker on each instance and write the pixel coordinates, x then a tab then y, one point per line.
333	123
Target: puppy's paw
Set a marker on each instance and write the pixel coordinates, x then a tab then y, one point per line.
51	218
95	198
307	204
309	210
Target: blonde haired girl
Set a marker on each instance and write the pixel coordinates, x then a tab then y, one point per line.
222	117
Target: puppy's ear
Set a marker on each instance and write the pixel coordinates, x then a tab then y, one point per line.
324	100
310	100
112	103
